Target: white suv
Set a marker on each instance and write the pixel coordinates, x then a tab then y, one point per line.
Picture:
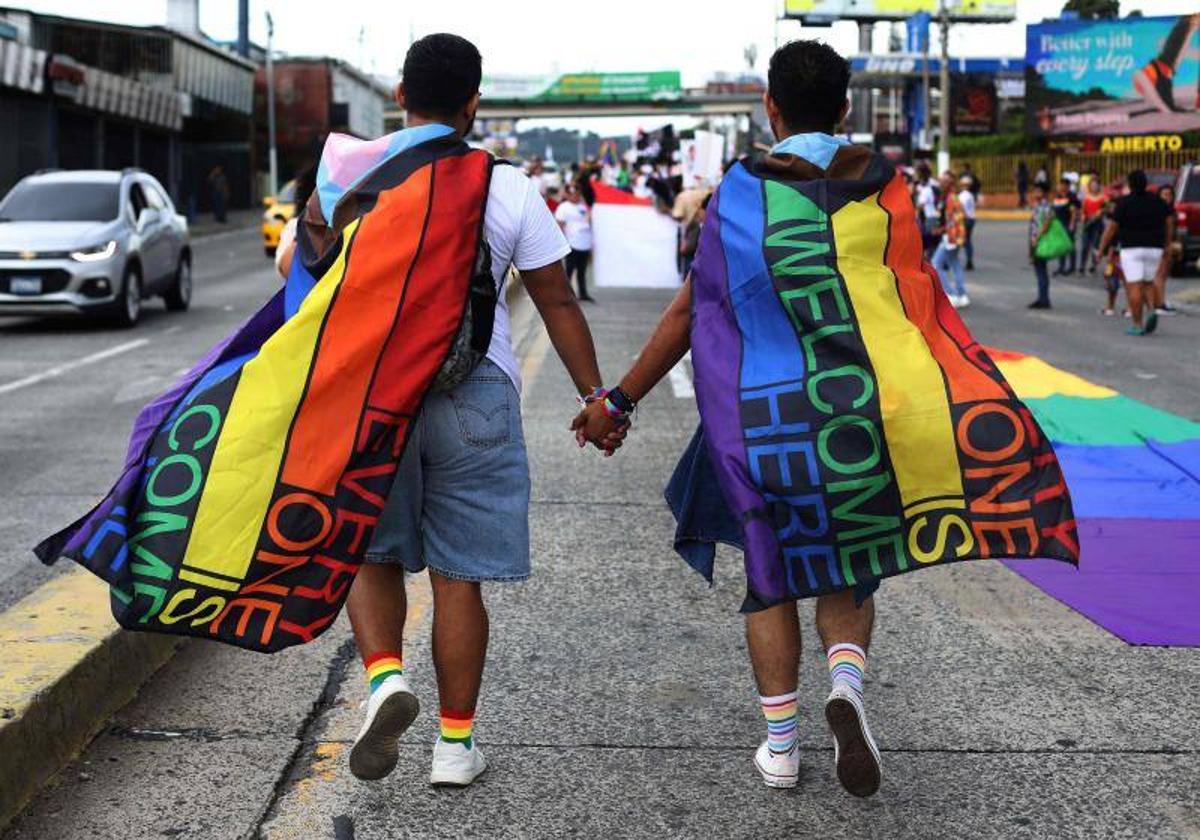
92	243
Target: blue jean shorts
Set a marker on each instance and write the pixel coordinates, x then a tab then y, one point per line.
460	503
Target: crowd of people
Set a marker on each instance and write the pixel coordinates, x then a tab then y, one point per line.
650	170
946	212
1125	234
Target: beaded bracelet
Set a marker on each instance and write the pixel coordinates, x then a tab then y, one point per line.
598	393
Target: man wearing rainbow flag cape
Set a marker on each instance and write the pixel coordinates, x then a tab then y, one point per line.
851	428
363	423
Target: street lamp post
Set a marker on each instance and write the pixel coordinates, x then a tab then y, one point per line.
944	84
271	155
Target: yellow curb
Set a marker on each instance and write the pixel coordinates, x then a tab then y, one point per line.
1003	215
67	667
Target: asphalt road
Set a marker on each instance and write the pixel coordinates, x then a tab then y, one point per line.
618	700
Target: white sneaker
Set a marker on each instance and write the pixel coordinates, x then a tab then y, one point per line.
779	770
859	767
454	765
963	301
955	301
391	709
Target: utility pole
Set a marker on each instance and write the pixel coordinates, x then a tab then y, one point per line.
271	154
944	84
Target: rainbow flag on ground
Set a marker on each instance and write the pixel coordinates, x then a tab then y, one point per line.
1134	473
857	429
252	487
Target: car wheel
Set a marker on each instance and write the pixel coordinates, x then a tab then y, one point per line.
127	308
179	296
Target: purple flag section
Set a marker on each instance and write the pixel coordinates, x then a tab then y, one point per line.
1141	581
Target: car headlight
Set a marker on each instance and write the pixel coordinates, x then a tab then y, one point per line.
96	252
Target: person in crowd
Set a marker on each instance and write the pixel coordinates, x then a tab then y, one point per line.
690	240
1022	178
537	176
553	198
218	193
1066	208
947	255
1141	228
574	216
1161	305
968	197
1039	222
623	176
1042	176
459	505
1091	210
928	200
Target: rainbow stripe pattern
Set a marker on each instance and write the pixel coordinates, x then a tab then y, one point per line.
456	726
253	486
857	429
847	664
1134	472
780	712
380	666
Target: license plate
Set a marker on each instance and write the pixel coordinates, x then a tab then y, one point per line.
25	285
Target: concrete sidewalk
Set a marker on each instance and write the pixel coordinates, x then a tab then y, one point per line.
618	700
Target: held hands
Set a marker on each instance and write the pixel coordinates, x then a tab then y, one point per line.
593	425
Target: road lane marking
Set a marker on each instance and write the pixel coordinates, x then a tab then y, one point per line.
59	370
681	378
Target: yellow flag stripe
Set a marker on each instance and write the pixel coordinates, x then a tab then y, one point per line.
912	394
245	465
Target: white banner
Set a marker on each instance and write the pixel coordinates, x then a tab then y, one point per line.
635	245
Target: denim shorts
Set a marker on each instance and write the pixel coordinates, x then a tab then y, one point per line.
460	503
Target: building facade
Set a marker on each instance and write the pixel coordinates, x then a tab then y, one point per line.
82	94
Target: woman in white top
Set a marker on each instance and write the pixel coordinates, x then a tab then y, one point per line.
575	219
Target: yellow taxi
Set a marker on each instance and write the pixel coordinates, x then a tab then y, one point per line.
280	208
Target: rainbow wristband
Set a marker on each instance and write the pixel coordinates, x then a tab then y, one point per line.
611	409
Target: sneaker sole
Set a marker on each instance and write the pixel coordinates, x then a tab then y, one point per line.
445	782
375	754
775	781
858	768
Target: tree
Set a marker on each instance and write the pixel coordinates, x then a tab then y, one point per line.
1094	9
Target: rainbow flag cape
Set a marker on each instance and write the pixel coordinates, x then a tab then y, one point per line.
856	428
252	487
1135	475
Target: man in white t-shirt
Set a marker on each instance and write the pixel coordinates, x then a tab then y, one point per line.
575	219
460	503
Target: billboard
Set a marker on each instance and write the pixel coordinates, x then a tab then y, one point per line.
585	87
1106	77
973	104
816	12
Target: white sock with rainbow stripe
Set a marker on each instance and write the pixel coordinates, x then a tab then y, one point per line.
847	663
780	712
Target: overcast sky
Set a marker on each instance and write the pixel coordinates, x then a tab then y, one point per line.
552	36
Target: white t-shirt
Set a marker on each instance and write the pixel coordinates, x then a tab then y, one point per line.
967	199
576	218
521	232
927	199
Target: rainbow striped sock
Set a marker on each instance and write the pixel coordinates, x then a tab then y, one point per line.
847	663
382	665
456	727
780	712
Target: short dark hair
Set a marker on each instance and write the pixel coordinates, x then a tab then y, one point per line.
1137	180
441	73
807	80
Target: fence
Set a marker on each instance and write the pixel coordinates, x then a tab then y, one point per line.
998	172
